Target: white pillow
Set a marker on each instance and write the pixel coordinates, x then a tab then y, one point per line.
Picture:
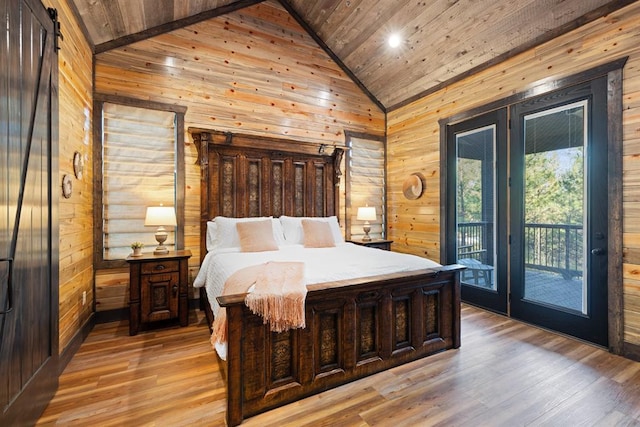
227	233
278	233
292	227
212	232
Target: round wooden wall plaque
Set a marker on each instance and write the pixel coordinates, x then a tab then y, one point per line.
413	186
67	186
78	164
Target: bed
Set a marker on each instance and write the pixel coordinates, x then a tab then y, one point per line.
354	326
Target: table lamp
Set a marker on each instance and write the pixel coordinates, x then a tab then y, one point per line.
160	216
366	214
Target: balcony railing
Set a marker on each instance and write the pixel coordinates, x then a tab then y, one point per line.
554	247
474	242
549	247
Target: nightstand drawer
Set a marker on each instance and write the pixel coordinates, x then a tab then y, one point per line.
156	267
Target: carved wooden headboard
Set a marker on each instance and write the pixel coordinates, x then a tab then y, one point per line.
249	176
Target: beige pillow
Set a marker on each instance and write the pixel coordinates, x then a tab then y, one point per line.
256	236
317	234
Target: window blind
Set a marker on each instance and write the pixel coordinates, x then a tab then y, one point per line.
139	164
366	182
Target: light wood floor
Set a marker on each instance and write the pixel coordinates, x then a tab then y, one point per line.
505	374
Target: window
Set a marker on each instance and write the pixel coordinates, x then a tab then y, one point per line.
140	149
365	184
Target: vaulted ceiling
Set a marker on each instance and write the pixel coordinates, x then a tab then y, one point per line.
441	41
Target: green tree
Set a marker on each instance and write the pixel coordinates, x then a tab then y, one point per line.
469	190
572	184
554	187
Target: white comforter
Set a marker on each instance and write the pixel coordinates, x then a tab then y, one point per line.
345	261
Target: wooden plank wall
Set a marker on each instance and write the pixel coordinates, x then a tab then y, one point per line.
413	136
254	71
76	213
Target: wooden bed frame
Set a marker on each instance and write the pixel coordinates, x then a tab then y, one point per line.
354	328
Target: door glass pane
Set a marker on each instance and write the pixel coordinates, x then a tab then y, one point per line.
475	201
554	206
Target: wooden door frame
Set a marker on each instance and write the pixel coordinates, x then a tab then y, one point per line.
613	71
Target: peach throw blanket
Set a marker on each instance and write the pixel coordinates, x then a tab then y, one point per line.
278	296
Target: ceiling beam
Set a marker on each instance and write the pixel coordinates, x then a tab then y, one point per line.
174	25
82	25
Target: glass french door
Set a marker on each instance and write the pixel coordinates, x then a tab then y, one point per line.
526	210
554	211
478	226
558	212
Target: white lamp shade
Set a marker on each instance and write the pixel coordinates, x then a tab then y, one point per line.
160	215
366	213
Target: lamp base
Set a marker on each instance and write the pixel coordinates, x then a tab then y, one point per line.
366	229
161	250
161	236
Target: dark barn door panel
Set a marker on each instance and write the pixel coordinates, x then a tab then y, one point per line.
28	215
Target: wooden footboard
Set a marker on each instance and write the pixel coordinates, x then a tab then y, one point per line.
353	329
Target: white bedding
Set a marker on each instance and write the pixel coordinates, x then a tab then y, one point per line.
344	261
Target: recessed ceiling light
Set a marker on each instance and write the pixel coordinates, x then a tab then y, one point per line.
394	40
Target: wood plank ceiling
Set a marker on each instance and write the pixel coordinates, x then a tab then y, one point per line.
441	41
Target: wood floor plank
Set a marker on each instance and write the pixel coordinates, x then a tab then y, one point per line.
505	374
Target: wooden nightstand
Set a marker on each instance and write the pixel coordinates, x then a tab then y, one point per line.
158	288
374	243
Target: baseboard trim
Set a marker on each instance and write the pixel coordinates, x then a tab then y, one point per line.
631	351
118	314
112	315
73	346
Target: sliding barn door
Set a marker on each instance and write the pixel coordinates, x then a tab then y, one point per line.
28	215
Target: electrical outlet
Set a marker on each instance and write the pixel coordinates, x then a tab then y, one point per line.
84	297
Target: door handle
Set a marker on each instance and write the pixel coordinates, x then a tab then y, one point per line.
598	251
9	304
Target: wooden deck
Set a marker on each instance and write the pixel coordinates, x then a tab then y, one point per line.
542	286
552	288
505	374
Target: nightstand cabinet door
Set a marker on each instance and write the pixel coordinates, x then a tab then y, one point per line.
159	299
